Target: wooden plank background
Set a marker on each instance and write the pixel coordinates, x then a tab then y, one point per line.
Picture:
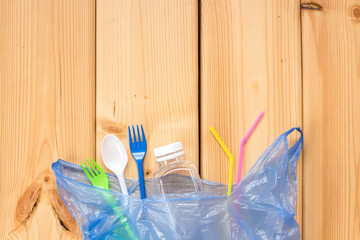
47	110
297	61
248	64
147	73
331	93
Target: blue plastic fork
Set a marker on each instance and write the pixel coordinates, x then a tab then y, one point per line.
138	151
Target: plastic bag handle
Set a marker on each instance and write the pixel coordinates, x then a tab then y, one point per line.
294	153
298	142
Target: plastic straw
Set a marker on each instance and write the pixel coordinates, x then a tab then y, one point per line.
243	143
226	150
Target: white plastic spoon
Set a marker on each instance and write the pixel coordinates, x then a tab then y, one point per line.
115	158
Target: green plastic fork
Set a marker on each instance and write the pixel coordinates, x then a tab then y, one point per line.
98	178
95	174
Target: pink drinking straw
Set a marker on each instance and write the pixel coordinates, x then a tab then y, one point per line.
243	143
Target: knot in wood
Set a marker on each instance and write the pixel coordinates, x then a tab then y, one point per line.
355	13
311	6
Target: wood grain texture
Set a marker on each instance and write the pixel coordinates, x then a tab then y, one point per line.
250	61
47	110
331	78
147	73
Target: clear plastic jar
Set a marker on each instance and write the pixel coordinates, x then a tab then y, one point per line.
176	175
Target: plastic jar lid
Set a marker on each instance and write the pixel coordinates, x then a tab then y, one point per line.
168	152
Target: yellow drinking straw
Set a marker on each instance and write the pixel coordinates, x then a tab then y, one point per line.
226	150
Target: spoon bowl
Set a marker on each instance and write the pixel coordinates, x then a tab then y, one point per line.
115	158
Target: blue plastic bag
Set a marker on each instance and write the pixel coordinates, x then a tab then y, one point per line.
262	206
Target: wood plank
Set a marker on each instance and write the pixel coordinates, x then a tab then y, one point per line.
47	110
331	76
250	61
147	73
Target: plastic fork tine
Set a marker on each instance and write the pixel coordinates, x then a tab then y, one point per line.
93	168
89	168
98	168
86	172
95	165
135	140
143	134
138	131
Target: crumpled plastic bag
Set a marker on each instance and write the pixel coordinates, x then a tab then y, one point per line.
262	206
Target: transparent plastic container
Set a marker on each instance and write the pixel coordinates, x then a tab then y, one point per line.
172	165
